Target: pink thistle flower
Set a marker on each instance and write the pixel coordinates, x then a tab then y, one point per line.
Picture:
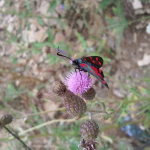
78	82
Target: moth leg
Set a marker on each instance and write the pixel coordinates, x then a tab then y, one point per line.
76	70
89	75
80	72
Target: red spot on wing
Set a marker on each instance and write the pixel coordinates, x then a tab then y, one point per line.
99	62
100	70
96	71
104	82
82	65
90	57
84	58
93	61
96	58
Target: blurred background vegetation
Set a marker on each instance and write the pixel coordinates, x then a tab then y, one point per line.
118	31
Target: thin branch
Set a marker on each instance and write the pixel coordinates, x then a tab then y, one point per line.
47	123
18	138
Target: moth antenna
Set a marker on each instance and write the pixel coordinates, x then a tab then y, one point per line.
63	53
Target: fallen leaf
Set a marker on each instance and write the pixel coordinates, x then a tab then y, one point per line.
59	37
41	35
44	7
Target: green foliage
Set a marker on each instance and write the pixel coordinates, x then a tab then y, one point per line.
82	40
53	5
40	21
104	4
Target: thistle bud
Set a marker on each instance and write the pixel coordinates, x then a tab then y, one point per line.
89	130
39	95
5	119
90	94
88	145
59	88
74	104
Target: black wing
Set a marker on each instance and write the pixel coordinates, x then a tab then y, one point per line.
94	71
95	60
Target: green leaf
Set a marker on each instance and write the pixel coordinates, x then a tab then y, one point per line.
52	6
105	3
15	61
40	21
82	40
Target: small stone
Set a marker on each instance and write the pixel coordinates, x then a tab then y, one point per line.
148	28
33	27
10	27
145	61
118	93
28	36
2	2
137	4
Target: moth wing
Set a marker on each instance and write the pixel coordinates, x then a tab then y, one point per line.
94	71
95	60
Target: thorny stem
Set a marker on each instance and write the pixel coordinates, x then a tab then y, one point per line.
17	137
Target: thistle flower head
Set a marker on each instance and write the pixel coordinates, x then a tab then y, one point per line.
78	82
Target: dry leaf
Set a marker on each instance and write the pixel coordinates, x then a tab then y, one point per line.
59	37
41	35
